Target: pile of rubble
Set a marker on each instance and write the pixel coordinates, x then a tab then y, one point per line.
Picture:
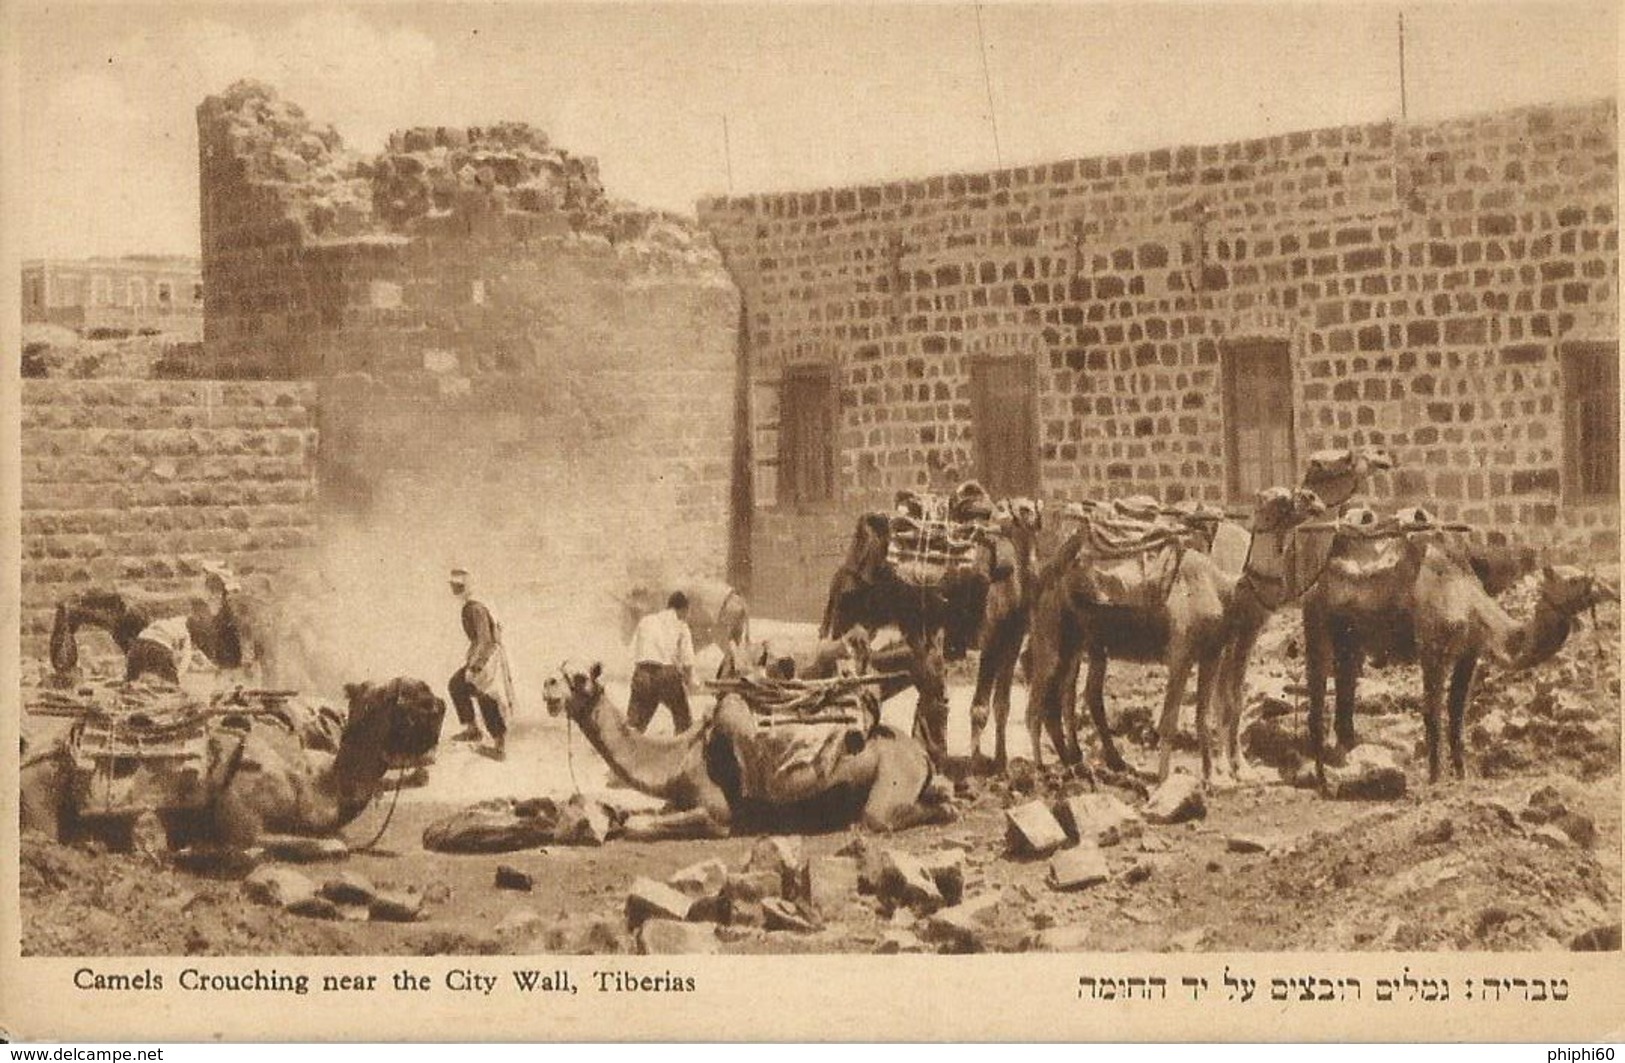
346	896
920	901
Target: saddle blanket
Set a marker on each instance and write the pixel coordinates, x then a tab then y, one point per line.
794	762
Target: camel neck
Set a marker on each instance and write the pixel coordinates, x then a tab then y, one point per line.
1537	640
356	772
650	764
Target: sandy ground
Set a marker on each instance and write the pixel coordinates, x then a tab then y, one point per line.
1446	867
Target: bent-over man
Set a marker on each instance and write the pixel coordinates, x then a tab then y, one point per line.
663	659
165	647
483	676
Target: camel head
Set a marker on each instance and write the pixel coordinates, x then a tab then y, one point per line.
1570	590
1338	475
400	719
1024	513
574	690
1279	508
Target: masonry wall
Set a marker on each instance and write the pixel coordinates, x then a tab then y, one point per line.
491	332
1424	276
134	482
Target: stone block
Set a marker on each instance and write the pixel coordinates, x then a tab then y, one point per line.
348	887
1078	868
666	937
396	906
781	914
963	927
648	899
1097	817
753	886
1177	800
279	886
831	884
906	882
784	856
509	877
1032	829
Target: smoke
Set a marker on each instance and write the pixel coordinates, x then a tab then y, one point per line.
376	603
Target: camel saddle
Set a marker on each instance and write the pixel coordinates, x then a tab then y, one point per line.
129	763
804	728
925	552
1127	562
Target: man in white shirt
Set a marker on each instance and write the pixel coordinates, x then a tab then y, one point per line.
164	648
663	665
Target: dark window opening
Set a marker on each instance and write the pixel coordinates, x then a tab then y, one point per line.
1004	418
1259	444
807	416
1591	421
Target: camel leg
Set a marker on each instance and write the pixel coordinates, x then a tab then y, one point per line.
1317	656
1042	700
1179	670
669	826
1461	686
1232	696
1206	670
1001	698
902	793
1094	695
931	711
987	670
1433	692
1348	659
44	803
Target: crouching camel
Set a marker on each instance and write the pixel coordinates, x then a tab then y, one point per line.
259	777
883	780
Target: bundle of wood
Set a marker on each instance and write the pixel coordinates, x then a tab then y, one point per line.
777	702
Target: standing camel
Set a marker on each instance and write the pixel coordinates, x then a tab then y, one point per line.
1004	628
717	614
1186	627
1414	596
939	621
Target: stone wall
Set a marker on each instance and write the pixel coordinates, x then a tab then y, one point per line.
134	482
1424	277
477	308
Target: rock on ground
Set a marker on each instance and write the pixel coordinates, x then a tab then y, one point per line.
1177	800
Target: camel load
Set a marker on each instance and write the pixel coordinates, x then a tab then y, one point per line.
1127	556
226	772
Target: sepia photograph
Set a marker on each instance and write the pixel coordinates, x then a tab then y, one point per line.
599	485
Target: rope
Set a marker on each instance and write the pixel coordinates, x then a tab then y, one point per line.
400	783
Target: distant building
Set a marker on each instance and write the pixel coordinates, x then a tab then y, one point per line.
132	291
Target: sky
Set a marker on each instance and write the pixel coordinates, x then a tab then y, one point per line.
680	100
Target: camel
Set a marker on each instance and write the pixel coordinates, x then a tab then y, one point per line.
1188	627
883	780
941	621
717	614
260	779
1004	629
239	634
1338	475
1416	596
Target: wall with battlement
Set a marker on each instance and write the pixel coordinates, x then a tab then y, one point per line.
1425	277
134	482
493	334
